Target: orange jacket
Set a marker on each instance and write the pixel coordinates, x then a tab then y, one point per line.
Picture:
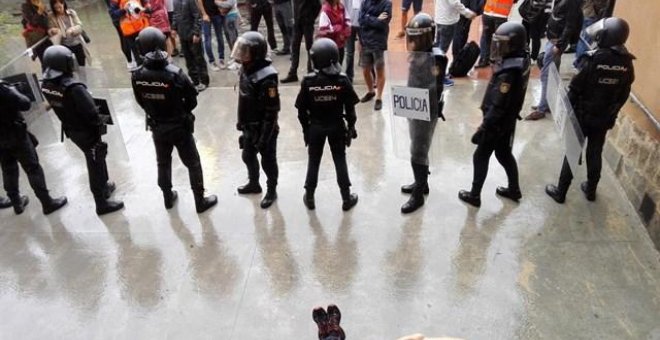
500	8
131	23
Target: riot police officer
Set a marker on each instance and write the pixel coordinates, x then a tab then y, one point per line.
597	93
426	70
81	122
168	97
17	145
501	107
323	98
258	108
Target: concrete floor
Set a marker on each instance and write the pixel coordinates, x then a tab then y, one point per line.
534	270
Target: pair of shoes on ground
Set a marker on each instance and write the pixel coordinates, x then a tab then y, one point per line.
378	104
475	200
559	195
281	52
216	66
328	323
255	188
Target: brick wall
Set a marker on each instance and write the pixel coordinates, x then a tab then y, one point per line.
633	152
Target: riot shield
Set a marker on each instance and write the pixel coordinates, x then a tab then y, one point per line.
411	98
566	121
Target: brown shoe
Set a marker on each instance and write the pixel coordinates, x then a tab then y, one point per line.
535	115
401	34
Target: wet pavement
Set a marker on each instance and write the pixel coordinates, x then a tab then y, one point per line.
533	270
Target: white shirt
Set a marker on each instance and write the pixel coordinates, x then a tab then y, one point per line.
447	12
169	4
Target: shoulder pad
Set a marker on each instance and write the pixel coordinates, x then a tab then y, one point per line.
68	82
263	73
172	68
620	49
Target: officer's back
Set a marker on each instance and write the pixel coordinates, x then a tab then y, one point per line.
326	96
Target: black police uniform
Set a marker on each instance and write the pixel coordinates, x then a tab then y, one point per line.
258	109
168	97
17	145
75	107
321	104
597	93
501	107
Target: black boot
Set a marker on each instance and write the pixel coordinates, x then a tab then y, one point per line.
469	197
349	199
408	189
510	193
5	203
589	191
19	203
308	199
421	173
558	193
106	206
50	205
202	203
109	189
169	197
269	198
251	187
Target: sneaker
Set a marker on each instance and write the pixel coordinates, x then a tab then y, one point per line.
535	115
282	52
233	66
200	87
378	105
131	66
215	67
367	97
447	82
221	64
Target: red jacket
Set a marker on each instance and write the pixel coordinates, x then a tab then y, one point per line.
335	23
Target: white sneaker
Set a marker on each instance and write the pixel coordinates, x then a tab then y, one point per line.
221	64
131	65
214	67
200	87
233	66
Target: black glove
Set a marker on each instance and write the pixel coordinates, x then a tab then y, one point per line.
478	137
350	135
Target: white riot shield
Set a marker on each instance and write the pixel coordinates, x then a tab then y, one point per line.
566	121
412	101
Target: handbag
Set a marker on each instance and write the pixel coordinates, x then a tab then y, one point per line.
85	37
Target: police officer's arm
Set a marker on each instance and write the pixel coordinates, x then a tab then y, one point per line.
302	104
350	99
84	104
12	99
189	94
136	94
579	83
499	99
623	93
271	99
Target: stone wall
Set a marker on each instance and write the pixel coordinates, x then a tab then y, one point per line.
633	153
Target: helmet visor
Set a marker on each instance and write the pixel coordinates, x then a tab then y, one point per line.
241	51
415	36
594	30
500	47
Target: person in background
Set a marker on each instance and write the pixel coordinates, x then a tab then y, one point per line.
125	49
212	20
304	13
496	12
405	7
283	11
462	30
375	17
171	41
133	17
535	19
447	13
335	24
187	25
230	12
353	7
592	11
160	20
35	28
65	26
258	9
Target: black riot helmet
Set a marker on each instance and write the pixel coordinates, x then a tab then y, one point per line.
250	46
151	39
420	33
325	56
58	60
509	40
609	32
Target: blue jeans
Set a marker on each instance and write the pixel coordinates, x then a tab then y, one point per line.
548	59
217	21
444	34
584	41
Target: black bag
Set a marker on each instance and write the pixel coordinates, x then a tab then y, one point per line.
86	37
465	60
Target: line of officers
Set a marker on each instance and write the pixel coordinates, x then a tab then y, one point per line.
326	111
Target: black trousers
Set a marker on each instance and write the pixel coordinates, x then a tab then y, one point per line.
195	62
535	32
184	142
300	30
131	45
268	161
266	11
336	137
22	152
79	53
122	41
95	151
502	148
461	33
285	22
595	142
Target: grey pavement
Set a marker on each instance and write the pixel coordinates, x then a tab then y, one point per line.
533	270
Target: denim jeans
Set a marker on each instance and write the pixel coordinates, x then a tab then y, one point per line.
548	59
444	34
216	22
584	42
231	30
